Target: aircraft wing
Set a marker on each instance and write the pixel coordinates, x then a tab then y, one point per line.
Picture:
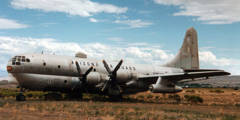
176	77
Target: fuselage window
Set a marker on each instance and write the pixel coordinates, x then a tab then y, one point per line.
65	81
28	60
80	63
83	63
92	64
72	62
88	63
126	67
59	66
18	63
122	67
23	60
130	68
44	64
134	68
13	63
96	64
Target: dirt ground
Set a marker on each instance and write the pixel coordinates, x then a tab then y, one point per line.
223	105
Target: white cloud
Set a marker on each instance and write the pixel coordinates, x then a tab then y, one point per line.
93	20
11	24
96	20
209	60
84	8
207	11
134	23
10	46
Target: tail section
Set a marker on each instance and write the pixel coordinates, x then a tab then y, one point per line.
187	57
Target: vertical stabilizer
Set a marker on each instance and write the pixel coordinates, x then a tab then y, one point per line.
187	57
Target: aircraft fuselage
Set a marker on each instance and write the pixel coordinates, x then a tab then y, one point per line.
45	72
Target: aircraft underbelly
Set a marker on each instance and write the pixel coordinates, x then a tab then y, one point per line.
41	82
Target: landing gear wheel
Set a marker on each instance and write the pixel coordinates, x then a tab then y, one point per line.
20	97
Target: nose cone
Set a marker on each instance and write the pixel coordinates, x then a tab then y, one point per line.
9	66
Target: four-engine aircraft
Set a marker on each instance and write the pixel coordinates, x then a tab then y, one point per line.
79	74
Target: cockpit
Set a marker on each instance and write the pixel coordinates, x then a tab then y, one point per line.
17	60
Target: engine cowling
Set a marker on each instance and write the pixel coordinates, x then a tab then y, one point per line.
93	78
123	76
155	88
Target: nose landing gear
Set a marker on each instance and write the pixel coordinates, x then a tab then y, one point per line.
21	96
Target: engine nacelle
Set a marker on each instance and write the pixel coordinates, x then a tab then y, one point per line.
155	88
132	84
123	76
93	78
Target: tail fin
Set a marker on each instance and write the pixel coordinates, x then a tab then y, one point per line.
187	57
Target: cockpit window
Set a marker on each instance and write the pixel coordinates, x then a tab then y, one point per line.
16	60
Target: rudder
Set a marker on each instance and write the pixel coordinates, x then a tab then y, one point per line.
187	57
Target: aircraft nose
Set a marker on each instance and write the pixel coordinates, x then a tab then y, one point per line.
9	68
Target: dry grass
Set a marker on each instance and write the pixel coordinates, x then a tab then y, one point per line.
215	106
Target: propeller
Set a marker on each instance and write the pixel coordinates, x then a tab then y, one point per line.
82	77
112	75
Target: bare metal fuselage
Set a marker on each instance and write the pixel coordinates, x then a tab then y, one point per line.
46	72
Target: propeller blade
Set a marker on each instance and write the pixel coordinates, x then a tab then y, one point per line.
84	78
107	67
120	89
118	66
105	85
112	75
88	71
75	85
78	68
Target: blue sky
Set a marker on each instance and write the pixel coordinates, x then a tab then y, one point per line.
137	31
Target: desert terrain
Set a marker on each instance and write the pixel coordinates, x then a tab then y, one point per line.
218	103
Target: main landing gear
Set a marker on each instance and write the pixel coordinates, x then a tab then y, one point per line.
20	96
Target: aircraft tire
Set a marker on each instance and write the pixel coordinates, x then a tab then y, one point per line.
20	97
